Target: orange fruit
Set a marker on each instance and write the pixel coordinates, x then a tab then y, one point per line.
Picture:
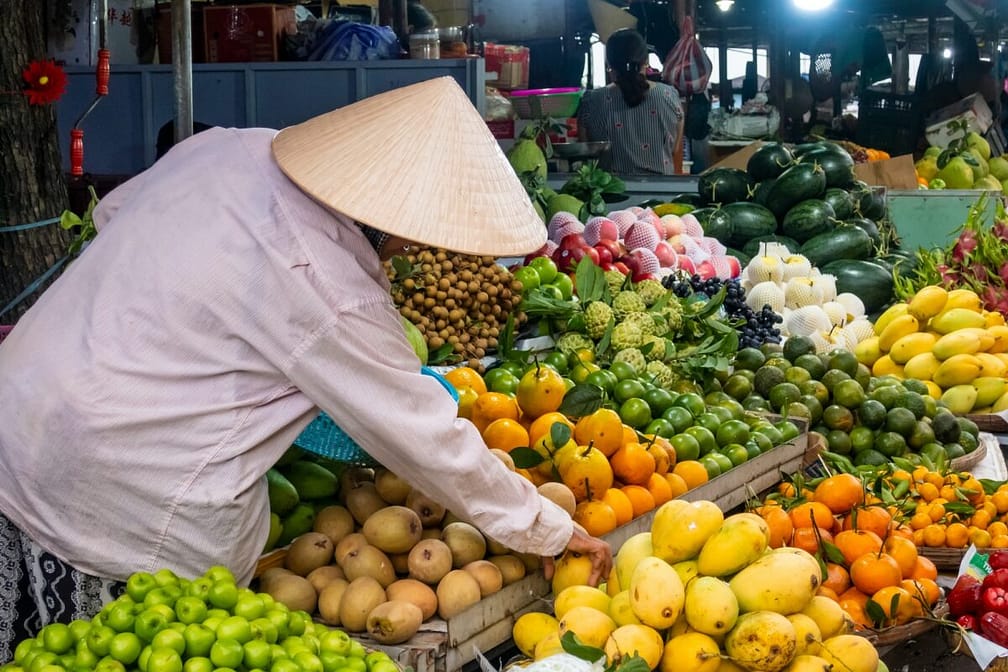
997	528
841	492
659	489
491	406
596	517
779	522
837	578
603	429
902	530
925	591
1000	500
661	458
692	472
956	535
973	490
467	397
812	514
855	543
999	541
805	538
872	572
629	435
934	535
620	504
981	519
928	491
541	390
543	424
906	608
856	613
465	376
980	538
904	551
585	471
632	464
874	518
920	520
505	434
827	592
925	569
677	484
852	594
640	497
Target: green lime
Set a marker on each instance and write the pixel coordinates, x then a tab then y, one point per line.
635	412
716	397
915	385
504	381
946	426
814	407
796	346
761	441
558	361
954	450
839	417
889	396
752	449
817	390
704	437
661	427
968	442
783	394
797	375
788	430
686	446
863	376
839	442
735	409
778	362
890	444
708	420
516	368
845	361
679	417
755	402
914	402
872	413
930	405
968	426
545	267
659	399
692	402
723	413
628	389
602	379
869	458
623	370
564	283
711	465
580	370
834	376
861	438
749	358
769	349
812	364
550	292
732	431
797	409
766	378
724	462
569	384
745	373
528	277
900	420
771	432
934	452
921	435
848	393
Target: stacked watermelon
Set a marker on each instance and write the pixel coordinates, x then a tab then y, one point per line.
808	199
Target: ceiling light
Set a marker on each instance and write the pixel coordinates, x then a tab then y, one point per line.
947	53
724	5
812	5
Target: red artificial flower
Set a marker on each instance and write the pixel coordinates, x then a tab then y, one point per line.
45	81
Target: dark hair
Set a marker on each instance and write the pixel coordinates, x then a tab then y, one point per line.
419	18
626	52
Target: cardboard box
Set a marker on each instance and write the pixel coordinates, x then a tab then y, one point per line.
895	173
972	109
246	33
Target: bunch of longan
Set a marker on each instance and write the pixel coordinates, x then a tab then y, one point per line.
455	298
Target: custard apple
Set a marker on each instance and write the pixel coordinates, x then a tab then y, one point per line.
597	316
650	291
626	335
627	302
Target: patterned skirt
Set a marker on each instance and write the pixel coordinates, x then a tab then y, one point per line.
37	588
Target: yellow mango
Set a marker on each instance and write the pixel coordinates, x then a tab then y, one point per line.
633	550
739	542
690	652
899	327
994	318
1000	334
1003	356
851	653
957	370
807	662
1001	404
953	319
867	351
620	610
985	338
762	640
934	391
781	581
828	615
989	389
911	345
991	365
962	342
890	314
656	593
960	399
627	640
922	366
679	532
963	298
711	607
580	596
885	366
591	626
686	570
809	634
928	302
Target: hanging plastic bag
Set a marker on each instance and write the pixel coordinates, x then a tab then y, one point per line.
687	66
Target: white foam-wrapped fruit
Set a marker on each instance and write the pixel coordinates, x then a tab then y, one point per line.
826	284
796	266
853	303
806	321
799	292
836	312
765	268
765	293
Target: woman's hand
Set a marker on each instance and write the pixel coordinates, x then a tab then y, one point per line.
598	550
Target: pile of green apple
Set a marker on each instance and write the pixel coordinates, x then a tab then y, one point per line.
965	164
163	623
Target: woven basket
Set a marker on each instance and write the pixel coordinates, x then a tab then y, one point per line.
898	634
324	437
956	645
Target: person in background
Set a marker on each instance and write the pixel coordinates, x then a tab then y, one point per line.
642	120
418	18
234	289
697	130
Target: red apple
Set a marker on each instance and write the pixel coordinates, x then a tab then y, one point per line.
591	253
666	255
607	266
641	277
735	266
605	256
706	270
686	264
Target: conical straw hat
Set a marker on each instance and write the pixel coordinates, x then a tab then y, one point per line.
416	162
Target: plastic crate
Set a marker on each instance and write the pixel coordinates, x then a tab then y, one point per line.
889	121
537	103
324	437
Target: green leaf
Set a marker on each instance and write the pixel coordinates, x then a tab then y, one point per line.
560	434
574	646
833	553
990	486
589	281
606	339
401	266
581	400
526	458
506	338
875	613
633	664
959	507
441	354
69	219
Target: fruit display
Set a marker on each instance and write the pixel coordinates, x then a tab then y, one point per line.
379	542
756	323
977	601
459	303
862	154
869	419
699	591
164	623
950	342
965	163
299	486
871	565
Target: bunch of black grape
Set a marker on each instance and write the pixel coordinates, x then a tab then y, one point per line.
754	328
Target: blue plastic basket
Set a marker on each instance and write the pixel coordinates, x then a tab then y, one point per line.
324	437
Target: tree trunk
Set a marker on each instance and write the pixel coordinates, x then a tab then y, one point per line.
32	184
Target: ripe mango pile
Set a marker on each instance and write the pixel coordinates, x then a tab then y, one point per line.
948	341
701	592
